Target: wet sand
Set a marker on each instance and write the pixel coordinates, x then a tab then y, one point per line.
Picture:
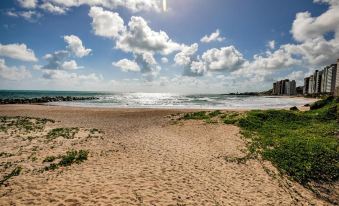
142	158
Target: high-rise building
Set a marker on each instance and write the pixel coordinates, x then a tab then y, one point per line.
293	88
325	81
336	80
328	78
318	76
311	85
284	87
306	85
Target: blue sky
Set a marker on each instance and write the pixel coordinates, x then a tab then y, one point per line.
136	46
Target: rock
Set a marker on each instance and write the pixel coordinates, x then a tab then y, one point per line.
45	100
294	108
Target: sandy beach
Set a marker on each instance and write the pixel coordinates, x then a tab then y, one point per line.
139	157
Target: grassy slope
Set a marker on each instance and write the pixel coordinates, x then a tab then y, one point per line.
302	144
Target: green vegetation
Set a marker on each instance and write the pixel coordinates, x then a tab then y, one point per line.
49	159
24	124
15	172
208	117
302	144
196	116
95	131
5	154
231	117
67	133
71	157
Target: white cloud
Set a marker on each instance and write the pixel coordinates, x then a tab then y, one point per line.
306	27
75	46
28	4
215	36
223	59
140	38
13	73
279	59
296	75
164	60
132	5
18	51
127	65
148	65
70	65
185	57
30	16
54	9
271	44
67	77
106	23
56	60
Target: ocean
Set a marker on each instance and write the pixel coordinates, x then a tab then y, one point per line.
163	100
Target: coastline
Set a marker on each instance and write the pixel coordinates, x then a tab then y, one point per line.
143	156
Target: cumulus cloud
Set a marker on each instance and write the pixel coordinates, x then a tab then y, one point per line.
215	36
225	58
132	5
13	73
164	60
52	8
70	65
75	46
185	57
69	77
140	38
18	51
28	4
306	27
271	44
31	16
55	60
148	65
127	65
59	61
106	23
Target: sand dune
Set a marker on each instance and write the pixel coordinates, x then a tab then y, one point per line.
143	158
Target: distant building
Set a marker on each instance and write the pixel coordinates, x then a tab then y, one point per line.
325	81
306	85
311	85
284	87
317	88
336	80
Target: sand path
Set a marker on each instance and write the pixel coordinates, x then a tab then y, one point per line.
145	160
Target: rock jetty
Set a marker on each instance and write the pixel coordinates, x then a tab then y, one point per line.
45	100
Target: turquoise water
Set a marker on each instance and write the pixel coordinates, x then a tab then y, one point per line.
163	100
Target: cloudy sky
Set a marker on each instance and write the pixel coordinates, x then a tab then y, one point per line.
182	46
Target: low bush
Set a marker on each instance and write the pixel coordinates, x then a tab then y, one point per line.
71	157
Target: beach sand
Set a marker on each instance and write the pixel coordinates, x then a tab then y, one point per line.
141	158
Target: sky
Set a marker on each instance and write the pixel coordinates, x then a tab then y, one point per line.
174	46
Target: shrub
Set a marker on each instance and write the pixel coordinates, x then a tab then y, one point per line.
67	133
15	172
71	157
49	159
196	115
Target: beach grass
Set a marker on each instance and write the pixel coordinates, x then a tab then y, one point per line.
71	157
303	145
15	172
67	133
23	124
